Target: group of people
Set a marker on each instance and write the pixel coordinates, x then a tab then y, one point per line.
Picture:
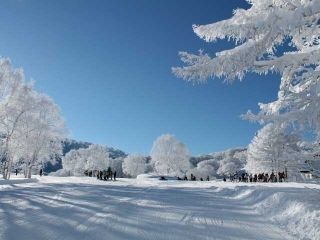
261	177
102	174
106	175
192	178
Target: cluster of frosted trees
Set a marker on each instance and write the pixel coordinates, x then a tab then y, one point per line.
259	34
168	157
31	126
95	157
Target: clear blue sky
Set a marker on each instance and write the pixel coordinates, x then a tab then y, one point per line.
108	65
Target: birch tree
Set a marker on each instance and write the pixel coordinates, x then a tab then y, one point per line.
15	101
40	135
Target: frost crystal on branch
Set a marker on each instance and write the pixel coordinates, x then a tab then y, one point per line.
258	32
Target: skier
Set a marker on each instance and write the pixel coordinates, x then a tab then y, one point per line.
40	172
114	176
208	179
16	172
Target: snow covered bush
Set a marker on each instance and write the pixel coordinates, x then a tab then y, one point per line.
169	156
61	173
219	164
134	164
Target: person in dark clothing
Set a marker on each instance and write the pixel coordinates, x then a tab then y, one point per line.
109	173
266	177
191	177
185	178
41	172
201	179
208	179
114	176
224	179
272	176
16	172
242	177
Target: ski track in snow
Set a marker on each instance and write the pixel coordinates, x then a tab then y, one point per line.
82	208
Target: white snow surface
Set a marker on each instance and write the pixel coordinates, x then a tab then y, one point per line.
146	208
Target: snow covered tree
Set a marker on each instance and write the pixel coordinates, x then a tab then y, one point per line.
39	136
95	157
116	165
272	149
16	99
169	156
134	164
204	169
73	162
230	166
258	32
31	126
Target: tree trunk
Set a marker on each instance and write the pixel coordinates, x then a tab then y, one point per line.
25	171
4	169
29	171
7	169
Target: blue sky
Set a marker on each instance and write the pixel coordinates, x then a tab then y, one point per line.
108	65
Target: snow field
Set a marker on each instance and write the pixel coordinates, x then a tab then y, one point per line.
145	208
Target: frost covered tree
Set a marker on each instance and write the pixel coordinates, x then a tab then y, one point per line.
31	126
17	100
232	162
204	169
134	164
258	32
39	136
116	165
12	111
74	162
230	166
169	156
272	149
95	157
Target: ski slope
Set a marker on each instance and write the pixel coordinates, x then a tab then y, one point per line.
85	208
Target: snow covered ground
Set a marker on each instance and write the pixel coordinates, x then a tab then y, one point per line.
144	208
